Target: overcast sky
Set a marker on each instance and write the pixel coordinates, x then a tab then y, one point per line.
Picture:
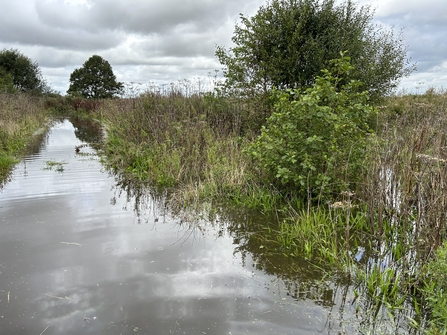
163	41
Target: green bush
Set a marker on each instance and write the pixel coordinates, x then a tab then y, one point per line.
315	140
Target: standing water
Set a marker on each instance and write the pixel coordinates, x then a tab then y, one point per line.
76	258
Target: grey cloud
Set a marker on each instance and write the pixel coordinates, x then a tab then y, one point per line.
177	45
137	16
26	29
424	27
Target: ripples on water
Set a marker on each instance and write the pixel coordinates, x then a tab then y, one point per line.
75	258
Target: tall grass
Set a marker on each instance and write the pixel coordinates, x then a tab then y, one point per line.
405	188
195	143
406	184
21	115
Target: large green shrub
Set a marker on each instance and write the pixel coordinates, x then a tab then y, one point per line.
314	141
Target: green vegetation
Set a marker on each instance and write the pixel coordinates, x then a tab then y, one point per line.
435	290
94	80
21	115
314	141
57	166
177	141
6	82
22	108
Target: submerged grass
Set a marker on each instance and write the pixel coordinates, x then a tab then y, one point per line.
57	166
331	236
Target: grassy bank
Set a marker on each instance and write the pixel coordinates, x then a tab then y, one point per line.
194	146
21	116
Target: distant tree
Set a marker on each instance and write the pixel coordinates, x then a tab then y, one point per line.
25	74
288	42
95	79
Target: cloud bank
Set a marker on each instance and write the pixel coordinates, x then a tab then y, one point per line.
162	41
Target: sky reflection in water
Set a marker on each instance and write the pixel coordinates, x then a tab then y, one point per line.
76	259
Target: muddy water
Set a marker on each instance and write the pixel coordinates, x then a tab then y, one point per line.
76	258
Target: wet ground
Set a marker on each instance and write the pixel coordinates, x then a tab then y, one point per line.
76	258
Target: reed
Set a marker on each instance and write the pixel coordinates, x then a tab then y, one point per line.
406	182
405	191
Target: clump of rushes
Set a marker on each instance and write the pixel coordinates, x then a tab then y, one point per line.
21	116
331	237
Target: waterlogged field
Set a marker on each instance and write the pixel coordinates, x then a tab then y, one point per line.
83	252
87	250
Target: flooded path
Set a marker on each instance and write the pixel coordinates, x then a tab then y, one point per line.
75	258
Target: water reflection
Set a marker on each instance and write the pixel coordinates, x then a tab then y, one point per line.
86	130
297	285
345	306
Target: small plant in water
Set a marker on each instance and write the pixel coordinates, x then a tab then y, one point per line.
57	166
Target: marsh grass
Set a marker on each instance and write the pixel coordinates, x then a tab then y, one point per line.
191	144
406	184
21	116
405	192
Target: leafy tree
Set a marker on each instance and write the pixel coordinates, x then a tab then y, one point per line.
315	139
25	74
95	79
287	42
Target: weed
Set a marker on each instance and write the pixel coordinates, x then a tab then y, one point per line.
57	166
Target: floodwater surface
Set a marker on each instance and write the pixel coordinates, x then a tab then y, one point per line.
77	258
